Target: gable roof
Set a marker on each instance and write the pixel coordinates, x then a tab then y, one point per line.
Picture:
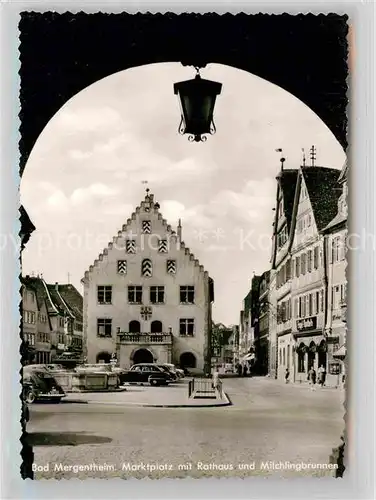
73	299
42	293
287	182
323	191
153	208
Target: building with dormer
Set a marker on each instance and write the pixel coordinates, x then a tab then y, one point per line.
315	206
147	298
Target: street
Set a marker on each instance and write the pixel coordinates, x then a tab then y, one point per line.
268	421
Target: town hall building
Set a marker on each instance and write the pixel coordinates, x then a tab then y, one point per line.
147	298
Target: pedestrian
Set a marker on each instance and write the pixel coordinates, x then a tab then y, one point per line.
322	375
312	378
239	370
216	381
287	376
245	371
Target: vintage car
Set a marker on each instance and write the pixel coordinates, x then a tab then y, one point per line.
38	384
151	373
176	371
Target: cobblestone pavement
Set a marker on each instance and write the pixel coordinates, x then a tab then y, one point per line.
267	422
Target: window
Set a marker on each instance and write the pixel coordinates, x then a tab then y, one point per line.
122	266
162	246
104	294
157	294
104	327
316	257
146	226
288	355
280	356
187	294
309	262
336	249
171	267
134	326
303	263
135	294
186	327
130	246
297	315
322	300
297	267
288	270
310	308
284	356
147	268
156	327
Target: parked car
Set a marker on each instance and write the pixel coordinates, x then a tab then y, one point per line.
176	371
39	384
148	372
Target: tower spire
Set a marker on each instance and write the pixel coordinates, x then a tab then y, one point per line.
282	159
304	157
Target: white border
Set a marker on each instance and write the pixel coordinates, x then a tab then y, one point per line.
358	481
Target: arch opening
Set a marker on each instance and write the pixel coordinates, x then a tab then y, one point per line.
156	327
142	356
134	326
188	360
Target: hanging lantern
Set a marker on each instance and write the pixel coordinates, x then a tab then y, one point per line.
197	99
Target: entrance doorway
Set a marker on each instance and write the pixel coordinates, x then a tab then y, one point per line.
322	358
311	356
187	360
142	356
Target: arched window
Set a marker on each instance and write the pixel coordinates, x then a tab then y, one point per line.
147	268
134	326
103	357
156	327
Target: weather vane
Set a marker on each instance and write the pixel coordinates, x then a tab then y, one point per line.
146	182
282	160
304	157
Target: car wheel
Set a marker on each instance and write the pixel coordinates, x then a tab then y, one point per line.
154	382
30	396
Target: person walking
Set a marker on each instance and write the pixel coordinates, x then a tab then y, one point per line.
312	378
322	375
287	376
216	381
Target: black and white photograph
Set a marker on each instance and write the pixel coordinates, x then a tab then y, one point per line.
183	214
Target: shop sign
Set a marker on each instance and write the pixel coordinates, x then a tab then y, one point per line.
306	324
332	340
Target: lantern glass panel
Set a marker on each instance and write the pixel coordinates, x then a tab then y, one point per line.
197	111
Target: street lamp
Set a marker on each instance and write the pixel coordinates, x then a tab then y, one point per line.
197	99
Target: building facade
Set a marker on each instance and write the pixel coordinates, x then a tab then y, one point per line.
147	299
315	205
55	319
262	340
335	235
281	338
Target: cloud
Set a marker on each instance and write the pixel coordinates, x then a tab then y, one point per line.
87	119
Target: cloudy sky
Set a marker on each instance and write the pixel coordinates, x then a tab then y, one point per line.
85	174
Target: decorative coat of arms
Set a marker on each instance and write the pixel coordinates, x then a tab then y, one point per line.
146	312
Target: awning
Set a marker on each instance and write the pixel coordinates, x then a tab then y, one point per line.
340	353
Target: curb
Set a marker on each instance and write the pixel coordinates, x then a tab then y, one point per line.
141	405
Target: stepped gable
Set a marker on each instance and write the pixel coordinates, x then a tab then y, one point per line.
287	180
323	191
73	300
149	205
43	295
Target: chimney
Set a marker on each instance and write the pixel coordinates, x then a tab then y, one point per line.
57	286
179	233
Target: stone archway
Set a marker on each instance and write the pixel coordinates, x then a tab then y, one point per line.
103	357
142	356
188	360
322	91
